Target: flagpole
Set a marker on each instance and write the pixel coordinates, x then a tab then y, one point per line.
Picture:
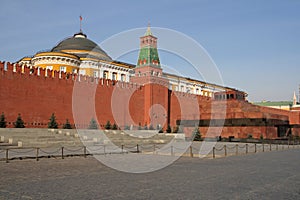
80	18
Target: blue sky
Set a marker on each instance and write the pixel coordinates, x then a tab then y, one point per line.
255	44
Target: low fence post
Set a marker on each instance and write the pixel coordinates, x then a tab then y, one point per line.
276	147
154	148
122	147
191	151
214	149
137	148
270	147
6	157
255	150
263	147
225	150
172	152
246	148
37	154
236	149
62	152
84	151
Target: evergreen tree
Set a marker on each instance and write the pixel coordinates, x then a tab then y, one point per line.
145	127
151	127
93	124
197	134
169	130
67	125
139	127
126	127
19	122
2	121
107	125
114	127
52	123
261	136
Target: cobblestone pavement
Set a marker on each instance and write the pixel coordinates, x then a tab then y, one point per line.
271	175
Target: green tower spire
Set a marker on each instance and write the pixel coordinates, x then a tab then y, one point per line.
148	55
148	32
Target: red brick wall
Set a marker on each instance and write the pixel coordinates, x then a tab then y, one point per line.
37	97
80	98
34	97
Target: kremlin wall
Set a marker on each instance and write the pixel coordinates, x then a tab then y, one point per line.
129	95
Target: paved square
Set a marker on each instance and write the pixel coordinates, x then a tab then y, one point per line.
270	175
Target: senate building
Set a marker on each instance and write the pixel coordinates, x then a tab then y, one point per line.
80	55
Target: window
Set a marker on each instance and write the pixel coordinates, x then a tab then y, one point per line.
63	69
182	88
74	71
114	76
123	77
95	74
188	90
105	74
197	91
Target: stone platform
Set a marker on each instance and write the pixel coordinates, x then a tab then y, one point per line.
34	137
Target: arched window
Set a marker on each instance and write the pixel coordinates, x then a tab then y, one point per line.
105	74
114	76
123	77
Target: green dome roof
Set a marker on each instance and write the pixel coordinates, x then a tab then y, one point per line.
82	47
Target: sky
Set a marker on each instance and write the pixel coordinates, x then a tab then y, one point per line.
254	44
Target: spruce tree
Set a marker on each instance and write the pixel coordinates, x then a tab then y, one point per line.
107	125
67	125
19	122
2	121
52	123
114	127
197	134
151	127
139	127
93	124
169	130
126	127
145	127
